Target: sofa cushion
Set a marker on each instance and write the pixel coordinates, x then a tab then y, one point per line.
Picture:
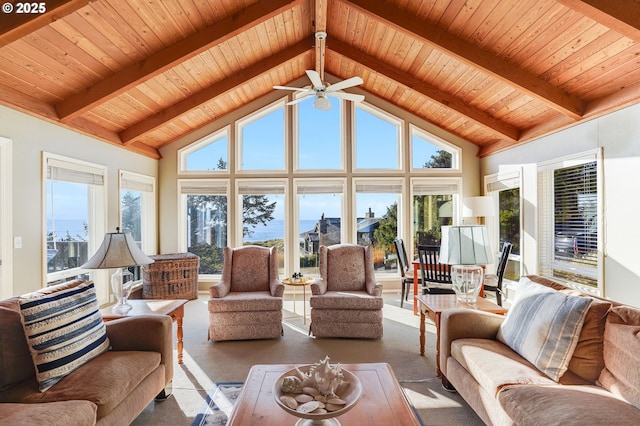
62	413
543	326
249	268
494	365
106	380
15	359
64	330
345	268
565	405
621	374
246	301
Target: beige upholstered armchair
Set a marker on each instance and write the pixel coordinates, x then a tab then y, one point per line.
247	302
346	300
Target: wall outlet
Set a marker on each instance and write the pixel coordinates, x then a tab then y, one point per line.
17	242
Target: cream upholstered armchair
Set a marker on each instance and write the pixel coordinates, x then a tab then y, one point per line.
346	300
247	302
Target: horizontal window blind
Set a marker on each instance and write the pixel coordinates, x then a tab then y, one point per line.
319	189
68	171
258	189
371	188
191	187
136	185
435	189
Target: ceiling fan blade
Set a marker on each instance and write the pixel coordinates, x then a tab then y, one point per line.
300	99
350	82
315	79
347	96
297	89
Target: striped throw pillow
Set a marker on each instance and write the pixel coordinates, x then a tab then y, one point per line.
543	326
64	330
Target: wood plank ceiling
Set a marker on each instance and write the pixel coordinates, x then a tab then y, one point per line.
142	73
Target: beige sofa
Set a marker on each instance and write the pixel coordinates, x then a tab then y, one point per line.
600	386
110	389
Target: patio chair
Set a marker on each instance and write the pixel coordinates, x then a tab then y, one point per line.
247	302
346	300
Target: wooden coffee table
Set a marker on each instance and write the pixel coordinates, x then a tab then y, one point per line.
382	402
173	308
433	305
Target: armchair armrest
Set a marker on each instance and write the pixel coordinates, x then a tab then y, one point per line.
318	286
277	288
220	289
465	323
144	333
374	288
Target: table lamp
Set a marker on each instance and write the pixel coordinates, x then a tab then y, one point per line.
118	251
465	247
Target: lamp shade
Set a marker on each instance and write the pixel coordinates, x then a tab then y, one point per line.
118	250
465	245
478	207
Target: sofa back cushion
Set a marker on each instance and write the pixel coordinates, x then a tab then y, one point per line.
543	326
621	374
64	330
588	360
15	361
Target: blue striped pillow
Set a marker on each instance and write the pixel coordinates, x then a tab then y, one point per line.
64	330
543	326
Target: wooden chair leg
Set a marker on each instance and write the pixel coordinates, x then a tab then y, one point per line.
402	294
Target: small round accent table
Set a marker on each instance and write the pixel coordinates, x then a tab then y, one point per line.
303	282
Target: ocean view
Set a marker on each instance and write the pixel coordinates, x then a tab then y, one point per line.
74	227
275	229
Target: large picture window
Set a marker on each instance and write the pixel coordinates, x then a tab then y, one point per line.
262	139
74	215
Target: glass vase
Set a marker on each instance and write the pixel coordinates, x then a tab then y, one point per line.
467	280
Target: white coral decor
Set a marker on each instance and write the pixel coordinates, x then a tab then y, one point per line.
323	377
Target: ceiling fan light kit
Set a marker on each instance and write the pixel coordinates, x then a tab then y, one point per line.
321	102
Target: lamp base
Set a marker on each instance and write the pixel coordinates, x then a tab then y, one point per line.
467	280
122	307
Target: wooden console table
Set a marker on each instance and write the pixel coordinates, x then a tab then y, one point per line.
433	305
383	401
174	308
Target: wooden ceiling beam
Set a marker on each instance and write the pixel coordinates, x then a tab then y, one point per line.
14	25
425	89
622	16
320	24
239	78
471	55
168	58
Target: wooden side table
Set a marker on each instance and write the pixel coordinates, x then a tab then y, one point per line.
433	305
304	283
174	308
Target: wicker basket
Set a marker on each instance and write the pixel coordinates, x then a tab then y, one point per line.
171	276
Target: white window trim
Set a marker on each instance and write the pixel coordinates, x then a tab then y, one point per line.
564	162
97	214
148	204
184	152
240	124
389	118
455	151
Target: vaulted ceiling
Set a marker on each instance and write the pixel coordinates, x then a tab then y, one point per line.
143	73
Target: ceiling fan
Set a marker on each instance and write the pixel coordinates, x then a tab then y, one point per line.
321	90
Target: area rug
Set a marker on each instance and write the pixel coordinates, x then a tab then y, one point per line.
218	404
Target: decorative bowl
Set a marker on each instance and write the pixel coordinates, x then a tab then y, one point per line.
349	391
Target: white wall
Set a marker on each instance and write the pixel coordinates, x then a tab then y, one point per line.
618	135
31	136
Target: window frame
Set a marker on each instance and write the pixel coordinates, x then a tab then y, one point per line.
185	151
387	117
97	211
252	117
546	221
456	152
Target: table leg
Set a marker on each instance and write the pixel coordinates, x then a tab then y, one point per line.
422	330
294	301
304	304
180	316
415	290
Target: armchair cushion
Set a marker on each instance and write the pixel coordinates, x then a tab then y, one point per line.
246	301
347	300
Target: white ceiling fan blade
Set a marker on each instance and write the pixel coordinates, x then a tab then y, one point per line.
300	99
347	96
350	82
297	89
315	79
